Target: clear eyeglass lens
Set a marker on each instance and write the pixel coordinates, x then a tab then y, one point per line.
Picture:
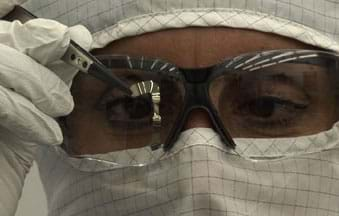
284	100
118	122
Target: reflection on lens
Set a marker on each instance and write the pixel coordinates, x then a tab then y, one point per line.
134	111
121	121
285	100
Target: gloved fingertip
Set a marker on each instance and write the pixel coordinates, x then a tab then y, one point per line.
58	139
48	40
53	137
82	36
51	134
59	105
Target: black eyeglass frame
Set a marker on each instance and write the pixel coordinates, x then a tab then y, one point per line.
196	81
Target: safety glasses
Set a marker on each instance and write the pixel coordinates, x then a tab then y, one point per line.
270	94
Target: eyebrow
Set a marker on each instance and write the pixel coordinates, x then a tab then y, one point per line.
281	77
287	76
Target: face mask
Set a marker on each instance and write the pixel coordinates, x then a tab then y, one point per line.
200	176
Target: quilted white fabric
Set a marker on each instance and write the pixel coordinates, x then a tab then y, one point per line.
288	146
315	22
199	177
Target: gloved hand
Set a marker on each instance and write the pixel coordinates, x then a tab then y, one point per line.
31	96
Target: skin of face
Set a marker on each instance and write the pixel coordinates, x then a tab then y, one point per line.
187	48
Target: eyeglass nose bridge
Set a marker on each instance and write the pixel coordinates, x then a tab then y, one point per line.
197	97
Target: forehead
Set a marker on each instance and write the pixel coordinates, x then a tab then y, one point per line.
199	47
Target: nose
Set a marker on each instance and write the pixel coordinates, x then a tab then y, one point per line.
198	118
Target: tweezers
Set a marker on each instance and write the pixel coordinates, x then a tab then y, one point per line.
76	55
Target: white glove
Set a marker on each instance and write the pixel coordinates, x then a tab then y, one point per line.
31	96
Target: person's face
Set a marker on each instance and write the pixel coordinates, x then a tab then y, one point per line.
194	48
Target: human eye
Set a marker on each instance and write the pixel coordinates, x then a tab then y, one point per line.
271	106
128	110
271	112
264	104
